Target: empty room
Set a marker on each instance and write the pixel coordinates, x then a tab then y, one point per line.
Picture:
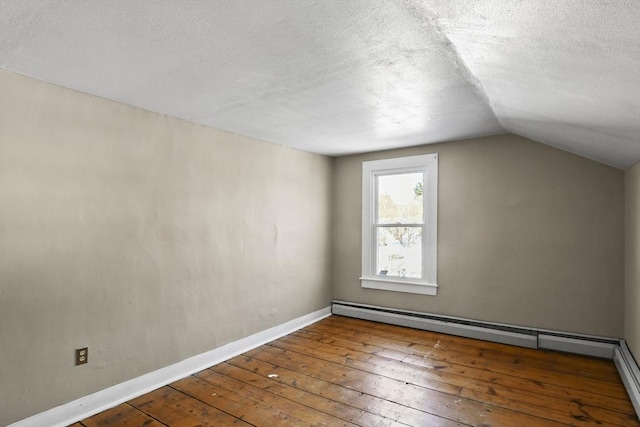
319	213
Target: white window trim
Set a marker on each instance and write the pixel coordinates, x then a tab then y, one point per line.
428	164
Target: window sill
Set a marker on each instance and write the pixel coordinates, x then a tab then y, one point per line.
399	285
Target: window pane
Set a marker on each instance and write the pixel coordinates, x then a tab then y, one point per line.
399	252
400	198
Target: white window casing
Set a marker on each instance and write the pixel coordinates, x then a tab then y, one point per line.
428	165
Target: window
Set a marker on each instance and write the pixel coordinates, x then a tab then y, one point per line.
399	224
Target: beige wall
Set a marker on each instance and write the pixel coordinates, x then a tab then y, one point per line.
151	239
527	235
146	238
632	256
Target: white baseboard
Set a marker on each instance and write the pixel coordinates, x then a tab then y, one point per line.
92	404
629	372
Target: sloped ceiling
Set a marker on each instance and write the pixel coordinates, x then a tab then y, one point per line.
340	77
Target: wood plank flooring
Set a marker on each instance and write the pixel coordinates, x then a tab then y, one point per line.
349	372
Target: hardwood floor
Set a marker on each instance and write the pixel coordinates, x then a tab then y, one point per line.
348	372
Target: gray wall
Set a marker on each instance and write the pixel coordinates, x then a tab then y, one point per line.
527	235
632	255
146	238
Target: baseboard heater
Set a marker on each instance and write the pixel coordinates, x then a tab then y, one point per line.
629	372
588	345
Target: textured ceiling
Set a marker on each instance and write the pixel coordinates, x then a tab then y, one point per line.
340	77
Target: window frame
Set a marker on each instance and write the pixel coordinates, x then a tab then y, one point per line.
371	170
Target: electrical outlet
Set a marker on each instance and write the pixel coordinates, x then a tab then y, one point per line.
82	356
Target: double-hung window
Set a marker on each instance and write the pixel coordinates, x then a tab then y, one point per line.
399	224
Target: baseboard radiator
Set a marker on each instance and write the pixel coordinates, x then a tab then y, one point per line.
588	345
629	372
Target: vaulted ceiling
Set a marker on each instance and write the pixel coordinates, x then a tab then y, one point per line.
340	77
